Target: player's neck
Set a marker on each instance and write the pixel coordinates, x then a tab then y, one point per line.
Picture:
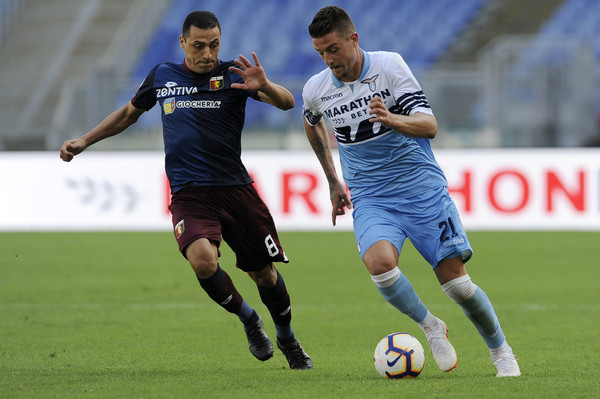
187	69
356	69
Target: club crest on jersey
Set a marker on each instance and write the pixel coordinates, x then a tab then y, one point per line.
371	82
216	82
179	229
169	105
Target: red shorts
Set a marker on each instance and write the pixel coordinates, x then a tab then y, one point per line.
235	213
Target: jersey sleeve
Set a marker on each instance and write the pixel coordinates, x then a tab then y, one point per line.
407	90
311	113
146	97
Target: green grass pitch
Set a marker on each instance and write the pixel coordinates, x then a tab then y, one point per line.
120	315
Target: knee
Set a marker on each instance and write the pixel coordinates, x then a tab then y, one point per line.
380	264
267	277
381	258
204	268
450	269
203	259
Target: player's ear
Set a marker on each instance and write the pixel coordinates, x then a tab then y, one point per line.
182	42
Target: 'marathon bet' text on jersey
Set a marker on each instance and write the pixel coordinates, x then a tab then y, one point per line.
375	160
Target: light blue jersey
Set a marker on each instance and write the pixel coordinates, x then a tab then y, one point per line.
376	161
397	187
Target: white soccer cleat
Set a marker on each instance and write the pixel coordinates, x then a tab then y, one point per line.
506	363
442	350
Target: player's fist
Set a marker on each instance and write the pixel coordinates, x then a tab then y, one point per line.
70	148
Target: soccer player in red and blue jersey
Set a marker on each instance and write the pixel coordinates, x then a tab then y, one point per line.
203	103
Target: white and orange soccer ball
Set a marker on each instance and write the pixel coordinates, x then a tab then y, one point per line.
399	355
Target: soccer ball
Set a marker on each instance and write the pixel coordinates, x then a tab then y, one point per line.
399	355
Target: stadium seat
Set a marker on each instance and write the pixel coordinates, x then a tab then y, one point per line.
277	31
576	20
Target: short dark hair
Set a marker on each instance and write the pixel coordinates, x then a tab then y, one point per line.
201	20
330	19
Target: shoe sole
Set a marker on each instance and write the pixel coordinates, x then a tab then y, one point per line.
508	375
263	358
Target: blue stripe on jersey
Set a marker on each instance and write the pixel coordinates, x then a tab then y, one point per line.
408	102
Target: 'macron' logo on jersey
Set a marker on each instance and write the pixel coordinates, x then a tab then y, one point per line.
371	82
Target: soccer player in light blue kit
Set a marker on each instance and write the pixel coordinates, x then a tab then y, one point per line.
383	123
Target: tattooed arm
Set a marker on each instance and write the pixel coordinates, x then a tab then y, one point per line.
319	141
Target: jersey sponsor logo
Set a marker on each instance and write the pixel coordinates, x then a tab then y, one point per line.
371	82
175	91
198	104
169	105
171	84
331	97
216	83
357	106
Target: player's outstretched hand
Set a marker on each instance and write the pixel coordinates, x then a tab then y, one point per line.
70	148
254	75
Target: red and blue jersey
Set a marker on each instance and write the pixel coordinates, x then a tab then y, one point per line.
202	118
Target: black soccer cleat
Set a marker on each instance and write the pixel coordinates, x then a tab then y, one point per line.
259	343
295	355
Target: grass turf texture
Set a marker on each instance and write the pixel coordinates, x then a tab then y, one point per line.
103	315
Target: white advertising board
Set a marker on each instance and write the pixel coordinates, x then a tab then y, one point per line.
532	189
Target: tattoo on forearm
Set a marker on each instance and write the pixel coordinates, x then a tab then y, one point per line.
319	147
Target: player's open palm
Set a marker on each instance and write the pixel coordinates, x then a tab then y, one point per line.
254	75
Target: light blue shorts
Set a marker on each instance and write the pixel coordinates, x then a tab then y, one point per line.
429	220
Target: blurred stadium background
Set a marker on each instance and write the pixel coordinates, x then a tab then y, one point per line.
498	73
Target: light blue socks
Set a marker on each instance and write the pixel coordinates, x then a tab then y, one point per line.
399	292
478	308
